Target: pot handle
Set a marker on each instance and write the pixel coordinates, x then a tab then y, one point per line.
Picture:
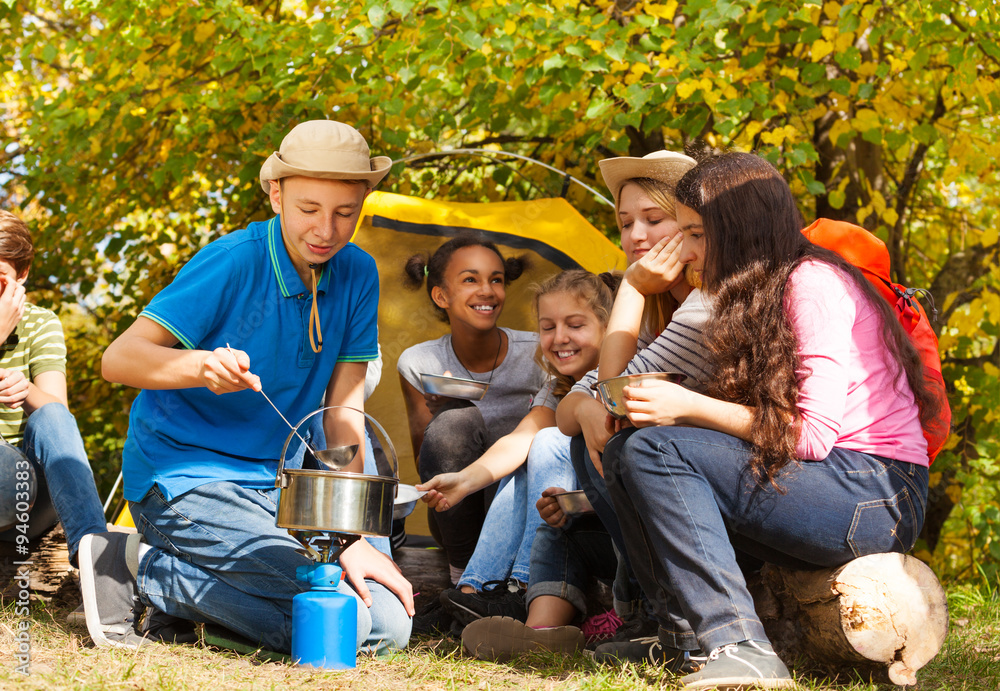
278	480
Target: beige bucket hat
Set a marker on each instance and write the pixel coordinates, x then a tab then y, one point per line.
324	149
666	166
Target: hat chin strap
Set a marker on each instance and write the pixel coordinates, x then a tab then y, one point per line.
315	331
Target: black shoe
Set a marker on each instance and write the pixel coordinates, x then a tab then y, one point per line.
432	620
503	599
110	595
160	626
649	650
398	536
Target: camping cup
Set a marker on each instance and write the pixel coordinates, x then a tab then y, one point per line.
336	501
611	391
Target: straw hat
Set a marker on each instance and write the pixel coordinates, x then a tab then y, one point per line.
324	149
666	166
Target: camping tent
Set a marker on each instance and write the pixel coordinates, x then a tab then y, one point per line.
394	227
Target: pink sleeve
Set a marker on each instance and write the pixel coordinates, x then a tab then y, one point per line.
822	313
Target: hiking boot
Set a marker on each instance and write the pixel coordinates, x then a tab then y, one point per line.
738	666
165	628
501	638
504	599
110	594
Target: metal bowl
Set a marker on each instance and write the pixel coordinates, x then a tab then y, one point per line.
610	390
453	387
574	503
406	501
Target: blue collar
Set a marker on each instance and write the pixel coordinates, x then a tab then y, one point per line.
288	278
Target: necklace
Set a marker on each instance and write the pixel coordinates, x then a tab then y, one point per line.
496	358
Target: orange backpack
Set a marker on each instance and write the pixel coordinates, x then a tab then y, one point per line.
868	253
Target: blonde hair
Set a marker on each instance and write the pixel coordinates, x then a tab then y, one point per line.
659	308
590	289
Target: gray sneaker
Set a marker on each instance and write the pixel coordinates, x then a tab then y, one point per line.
738	666
501	638
110	597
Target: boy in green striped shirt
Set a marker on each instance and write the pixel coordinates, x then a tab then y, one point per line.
44	472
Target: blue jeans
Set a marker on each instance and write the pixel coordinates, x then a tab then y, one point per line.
626	590
63	487
564	559
504	547
219	557
690	510
455	437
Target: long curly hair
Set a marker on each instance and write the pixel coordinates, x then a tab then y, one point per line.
753	244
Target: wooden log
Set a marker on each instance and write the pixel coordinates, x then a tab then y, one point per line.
49	563
880	611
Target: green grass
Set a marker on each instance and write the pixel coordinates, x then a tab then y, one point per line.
64	658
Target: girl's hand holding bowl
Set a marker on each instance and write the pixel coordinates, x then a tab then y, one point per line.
658	403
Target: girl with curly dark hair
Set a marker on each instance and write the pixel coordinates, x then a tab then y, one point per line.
806	450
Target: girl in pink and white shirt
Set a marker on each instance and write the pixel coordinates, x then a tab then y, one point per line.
806	450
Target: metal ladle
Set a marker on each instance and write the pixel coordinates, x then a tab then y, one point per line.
335	458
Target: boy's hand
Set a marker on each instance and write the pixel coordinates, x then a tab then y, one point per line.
12	299
658	270
13	388
548	507
225	370
361	561
444	491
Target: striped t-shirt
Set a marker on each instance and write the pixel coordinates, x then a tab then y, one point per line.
40	348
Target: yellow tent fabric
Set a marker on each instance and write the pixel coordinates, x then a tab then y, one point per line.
550	232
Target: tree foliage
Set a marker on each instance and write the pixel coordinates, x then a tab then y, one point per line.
133	133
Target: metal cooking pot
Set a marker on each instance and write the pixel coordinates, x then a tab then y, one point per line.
336	501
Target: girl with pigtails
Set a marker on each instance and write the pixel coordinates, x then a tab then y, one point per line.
466	280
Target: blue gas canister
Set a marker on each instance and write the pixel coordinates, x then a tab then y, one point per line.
324	621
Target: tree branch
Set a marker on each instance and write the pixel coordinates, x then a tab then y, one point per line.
977	362
905	191
11	155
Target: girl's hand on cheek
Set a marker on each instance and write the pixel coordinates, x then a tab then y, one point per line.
657	403
657	270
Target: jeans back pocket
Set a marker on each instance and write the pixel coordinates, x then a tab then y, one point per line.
884	525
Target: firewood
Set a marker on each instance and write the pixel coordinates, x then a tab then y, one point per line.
879	611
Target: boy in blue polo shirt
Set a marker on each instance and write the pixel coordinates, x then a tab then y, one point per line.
298	303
